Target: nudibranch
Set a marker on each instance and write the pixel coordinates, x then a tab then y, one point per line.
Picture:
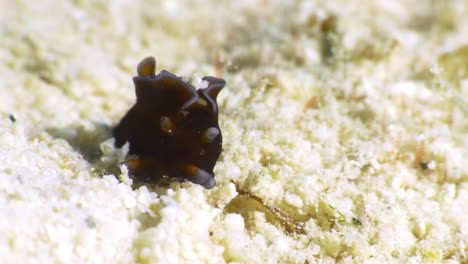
172	129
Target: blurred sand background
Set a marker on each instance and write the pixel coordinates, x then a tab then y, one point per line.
344	123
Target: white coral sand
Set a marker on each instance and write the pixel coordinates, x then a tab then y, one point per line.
344	126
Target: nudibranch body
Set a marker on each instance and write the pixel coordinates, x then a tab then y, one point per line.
173	128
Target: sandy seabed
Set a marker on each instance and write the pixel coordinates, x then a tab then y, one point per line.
344	123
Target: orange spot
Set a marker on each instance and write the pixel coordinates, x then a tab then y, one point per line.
311	103
136	164
218	65
190	170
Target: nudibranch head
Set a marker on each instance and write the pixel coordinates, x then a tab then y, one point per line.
172	128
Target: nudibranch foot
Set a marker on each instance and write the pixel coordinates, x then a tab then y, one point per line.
151	170
144	169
